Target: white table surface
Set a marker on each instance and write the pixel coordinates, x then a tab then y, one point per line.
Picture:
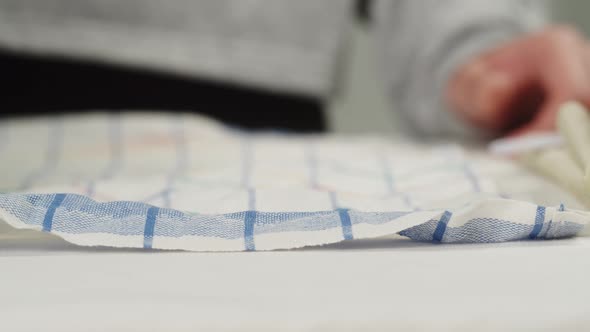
382	284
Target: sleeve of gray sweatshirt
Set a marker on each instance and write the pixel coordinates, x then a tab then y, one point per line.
423	41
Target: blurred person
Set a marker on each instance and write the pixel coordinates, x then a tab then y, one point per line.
451	67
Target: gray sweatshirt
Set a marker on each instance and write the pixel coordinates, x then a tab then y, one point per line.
278	45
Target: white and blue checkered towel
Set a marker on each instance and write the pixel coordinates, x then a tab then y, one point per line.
183	182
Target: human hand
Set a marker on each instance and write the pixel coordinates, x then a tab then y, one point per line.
518	87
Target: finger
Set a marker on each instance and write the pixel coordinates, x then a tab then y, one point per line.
564	68
562	63
491	99
463	86
586	54
483	94
544	120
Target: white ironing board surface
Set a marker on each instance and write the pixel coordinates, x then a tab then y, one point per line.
380	284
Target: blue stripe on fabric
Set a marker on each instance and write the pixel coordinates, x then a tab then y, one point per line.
441	227
247	158
539	220
471	177
333	200
115	145
48	219
251	199
115	129
346	224
150	225
54	145
390	182
178	134
344	216
249	220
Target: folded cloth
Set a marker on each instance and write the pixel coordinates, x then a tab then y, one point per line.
185	182
572	156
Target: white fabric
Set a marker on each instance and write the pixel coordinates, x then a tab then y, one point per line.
181	182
